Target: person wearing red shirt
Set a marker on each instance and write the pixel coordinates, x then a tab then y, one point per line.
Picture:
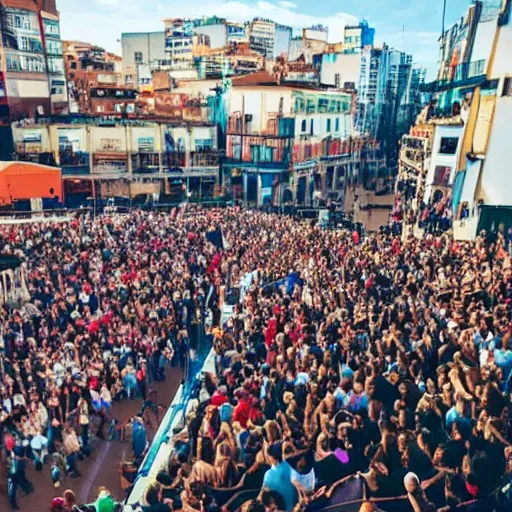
219	397
242	411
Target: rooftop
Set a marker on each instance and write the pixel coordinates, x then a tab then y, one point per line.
265	79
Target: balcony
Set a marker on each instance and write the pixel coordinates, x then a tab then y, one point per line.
145	163
114	162
258	150
43	158
204	159
275	125
74	163
413	158
174	160
466	74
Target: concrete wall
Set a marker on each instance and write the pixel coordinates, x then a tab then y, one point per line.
496	179
439	159
144	135
217	33
109	139
482	46
259	102
502	56
282	42
320	122
348	65
150	44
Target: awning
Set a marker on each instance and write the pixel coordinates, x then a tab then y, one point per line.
471	181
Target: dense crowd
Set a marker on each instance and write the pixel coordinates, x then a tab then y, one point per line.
347	355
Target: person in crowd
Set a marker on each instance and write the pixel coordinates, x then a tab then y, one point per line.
368	354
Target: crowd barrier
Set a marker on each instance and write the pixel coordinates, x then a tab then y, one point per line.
162	446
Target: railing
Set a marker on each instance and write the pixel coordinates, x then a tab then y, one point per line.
174	159
110	162
204	159
43	158
476	68
143	163
74	163
258	150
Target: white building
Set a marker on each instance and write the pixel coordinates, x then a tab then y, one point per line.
446	146
485	198
341	70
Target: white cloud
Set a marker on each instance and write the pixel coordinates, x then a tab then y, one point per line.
283	12
287	5
112	17
109	2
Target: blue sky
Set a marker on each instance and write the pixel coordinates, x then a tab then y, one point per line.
413	26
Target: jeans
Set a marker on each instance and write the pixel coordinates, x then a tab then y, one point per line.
85	439
11	491
71	463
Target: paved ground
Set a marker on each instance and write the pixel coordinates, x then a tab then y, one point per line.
100	469
372	219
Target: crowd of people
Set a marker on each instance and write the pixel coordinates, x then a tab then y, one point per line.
347	355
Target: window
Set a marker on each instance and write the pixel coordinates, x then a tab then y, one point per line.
337	125
51	27
18	21
448	145
204	144
139	58
442	175
303	126
24	43
55	65
322	105
507	87
328	127
54	47
311	127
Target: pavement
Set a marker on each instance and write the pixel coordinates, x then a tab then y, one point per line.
101	468
372	219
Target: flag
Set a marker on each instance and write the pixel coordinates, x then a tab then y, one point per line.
217	238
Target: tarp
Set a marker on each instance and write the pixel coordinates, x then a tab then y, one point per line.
483	124
25	180
458	184
471	182
9	262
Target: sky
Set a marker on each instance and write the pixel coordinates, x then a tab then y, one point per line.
413	26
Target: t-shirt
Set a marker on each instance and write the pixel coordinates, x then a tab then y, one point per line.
157	507
278	479
385	392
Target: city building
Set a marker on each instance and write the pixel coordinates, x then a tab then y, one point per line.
372	90
268	38
358	36
463	163
341	70
95	81
306	48
142	53
481	198
31	68
389	97
289	142
317	32
233	59
182	45
124	159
